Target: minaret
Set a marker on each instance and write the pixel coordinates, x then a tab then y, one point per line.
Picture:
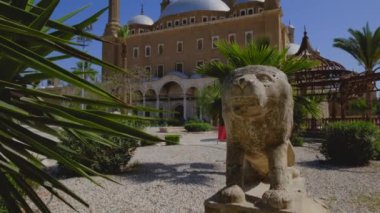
291	30
113	18
164	4
271	4
111	50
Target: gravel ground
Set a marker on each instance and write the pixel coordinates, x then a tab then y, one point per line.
179	179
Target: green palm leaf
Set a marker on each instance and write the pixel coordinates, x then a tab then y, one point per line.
363	45
27	39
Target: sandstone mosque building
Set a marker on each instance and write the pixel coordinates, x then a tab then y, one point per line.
183	37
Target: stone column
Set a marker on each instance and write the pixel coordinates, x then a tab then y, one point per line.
158	104
143	97
184	106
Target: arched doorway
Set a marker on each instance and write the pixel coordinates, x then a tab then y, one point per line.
171	96
137	98
138	101
178	112
192	106
150	101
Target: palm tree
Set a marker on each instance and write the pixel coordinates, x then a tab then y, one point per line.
209	98
258	52
364	46
85	68
27	38
122	34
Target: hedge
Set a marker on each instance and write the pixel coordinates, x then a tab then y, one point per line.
172	139
350	143
197	127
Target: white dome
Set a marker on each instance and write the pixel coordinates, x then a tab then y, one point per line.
246	1
292	48
141	19
182	6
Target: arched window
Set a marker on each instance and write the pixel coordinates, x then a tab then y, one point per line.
148	72
147	51
160	49
214	39
192	20
184	21
242	12
248	37
179	46
200	43
135	52
160	70
179	67
232	37
176	22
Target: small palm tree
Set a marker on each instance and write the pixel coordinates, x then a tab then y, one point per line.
210	100
258	52
123	32
85	69
122	35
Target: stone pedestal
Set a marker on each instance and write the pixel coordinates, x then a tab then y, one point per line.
300	202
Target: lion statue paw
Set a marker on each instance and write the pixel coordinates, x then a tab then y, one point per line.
278	199
232	194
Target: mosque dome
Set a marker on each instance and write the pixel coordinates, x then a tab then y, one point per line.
246	1
293	48
141	19
182	6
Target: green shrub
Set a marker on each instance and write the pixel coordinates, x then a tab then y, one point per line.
350	143
197	127
103	158
297	141
172	139
139	124
174	122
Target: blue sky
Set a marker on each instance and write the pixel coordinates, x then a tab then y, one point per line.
324	20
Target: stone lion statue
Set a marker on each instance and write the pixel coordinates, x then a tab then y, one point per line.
258	115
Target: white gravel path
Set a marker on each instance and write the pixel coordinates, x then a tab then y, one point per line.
179	178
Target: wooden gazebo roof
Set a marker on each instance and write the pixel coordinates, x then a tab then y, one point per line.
323	79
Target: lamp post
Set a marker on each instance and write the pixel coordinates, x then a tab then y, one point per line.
84	41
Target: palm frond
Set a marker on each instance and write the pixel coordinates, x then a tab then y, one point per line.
215	69
362	45
27	37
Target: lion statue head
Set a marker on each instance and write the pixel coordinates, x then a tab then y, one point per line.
257	107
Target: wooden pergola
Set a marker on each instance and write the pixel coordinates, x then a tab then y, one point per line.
331	80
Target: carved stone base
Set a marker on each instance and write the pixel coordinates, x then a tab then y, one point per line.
300	202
